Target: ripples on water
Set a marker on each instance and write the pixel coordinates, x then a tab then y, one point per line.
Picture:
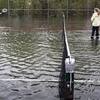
21	90
30	55
87	55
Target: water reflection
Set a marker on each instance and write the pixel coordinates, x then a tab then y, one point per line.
95	43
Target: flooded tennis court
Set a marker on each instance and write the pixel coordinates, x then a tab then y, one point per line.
32	45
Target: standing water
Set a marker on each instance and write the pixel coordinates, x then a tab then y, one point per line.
87	71
30	62
87	54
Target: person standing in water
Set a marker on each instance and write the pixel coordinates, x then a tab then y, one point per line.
95	19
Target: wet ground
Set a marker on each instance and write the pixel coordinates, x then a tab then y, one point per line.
30	65
30	61
87	70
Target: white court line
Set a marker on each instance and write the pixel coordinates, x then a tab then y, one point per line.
87	81
45	80
35	80
4	27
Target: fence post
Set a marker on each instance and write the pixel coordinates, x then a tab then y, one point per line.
69	72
